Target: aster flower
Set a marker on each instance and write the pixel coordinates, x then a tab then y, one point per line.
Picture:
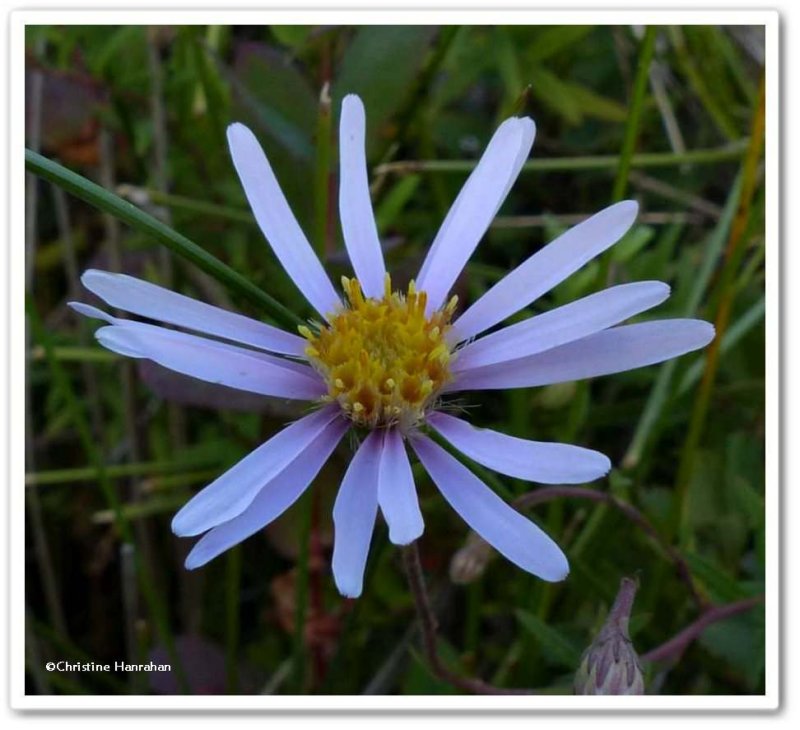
380	361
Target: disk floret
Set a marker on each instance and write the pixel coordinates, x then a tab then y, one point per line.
384	360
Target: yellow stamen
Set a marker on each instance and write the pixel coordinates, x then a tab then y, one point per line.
384	360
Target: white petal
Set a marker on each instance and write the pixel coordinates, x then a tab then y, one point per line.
230	494
397	495
545	269
213	362
535	461
272	501
156	302
564	324
474	208
354	515
355	208
277	221
610	351
505	529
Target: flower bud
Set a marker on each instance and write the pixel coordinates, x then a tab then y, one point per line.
610	665
469	563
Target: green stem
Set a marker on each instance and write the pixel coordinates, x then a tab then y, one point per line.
705	156
76	354
117	471
629	139
106	201
635	115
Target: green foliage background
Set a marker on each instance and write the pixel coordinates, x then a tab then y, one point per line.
114	448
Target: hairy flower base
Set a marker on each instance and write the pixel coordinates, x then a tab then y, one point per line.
384	360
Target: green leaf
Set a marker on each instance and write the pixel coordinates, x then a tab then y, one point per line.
739	641
106	201
293	36
631	244
722	586
571	100
554	645
420	680
276	99
276	96
550	41
395	201
381	65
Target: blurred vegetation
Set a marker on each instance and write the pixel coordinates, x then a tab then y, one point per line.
115	447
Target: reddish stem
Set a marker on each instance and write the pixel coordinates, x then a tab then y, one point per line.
427	620
673	648
315	563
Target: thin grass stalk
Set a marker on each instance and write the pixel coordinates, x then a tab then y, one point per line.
299	663
705	156
147	469
145	223
130	611
33	657
61	383
635	115
75	354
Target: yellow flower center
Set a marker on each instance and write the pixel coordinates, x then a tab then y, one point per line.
383	360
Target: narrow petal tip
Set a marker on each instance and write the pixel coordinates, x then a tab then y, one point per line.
603	465
353	100
628	209
184	523
697	333
192	562
85	309
665	288
240	135
90	274
707	332
348	590
178	528
402	537
528	124
237	128
558	572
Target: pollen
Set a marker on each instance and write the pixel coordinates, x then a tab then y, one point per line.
384	360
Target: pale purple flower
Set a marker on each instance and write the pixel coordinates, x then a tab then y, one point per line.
381	361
